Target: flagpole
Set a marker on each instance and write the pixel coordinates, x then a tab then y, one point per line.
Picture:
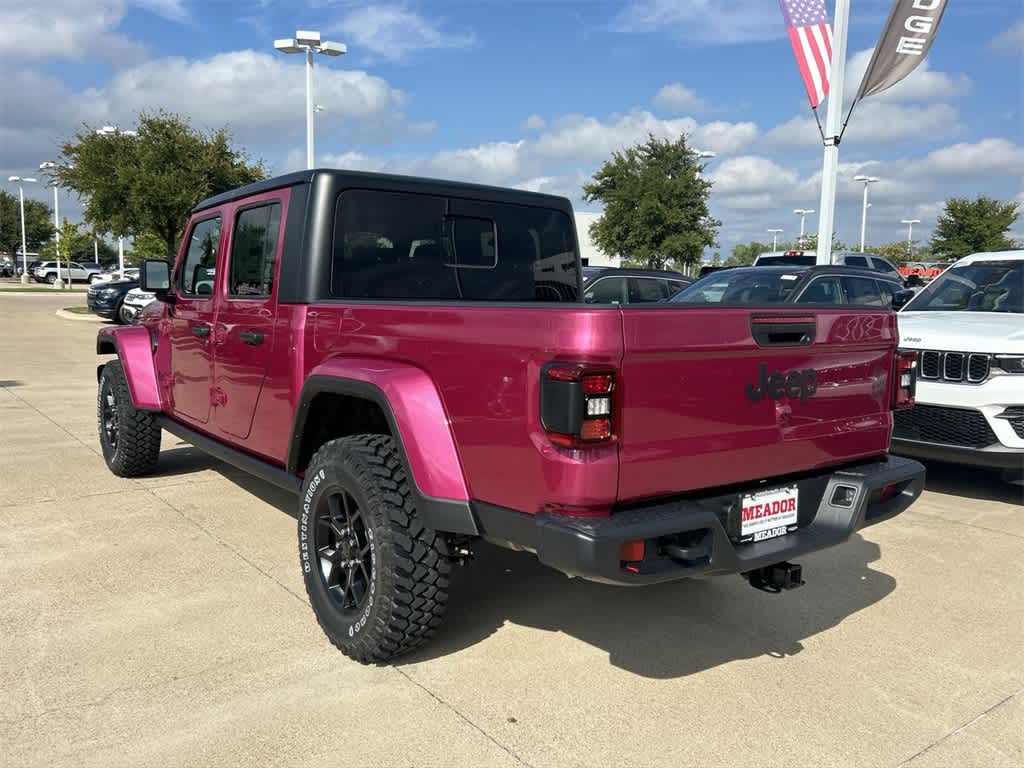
833	127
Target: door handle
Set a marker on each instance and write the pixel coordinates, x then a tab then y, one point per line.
252	338
201	331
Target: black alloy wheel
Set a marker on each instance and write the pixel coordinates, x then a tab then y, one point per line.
343	550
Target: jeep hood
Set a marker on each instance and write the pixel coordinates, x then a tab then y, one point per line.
991	332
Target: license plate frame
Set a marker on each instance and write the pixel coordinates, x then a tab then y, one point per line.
768	514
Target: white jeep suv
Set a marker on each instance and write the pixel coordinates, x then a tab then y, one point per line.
968	329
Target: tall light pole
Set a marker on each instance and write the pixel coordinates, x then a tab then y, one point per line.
867	181
113	130
47	167
910	235
21	181
775	239
803	213
308	42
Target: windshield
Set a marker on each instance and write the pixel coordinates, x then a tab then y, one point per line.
991	286
748	286
591	272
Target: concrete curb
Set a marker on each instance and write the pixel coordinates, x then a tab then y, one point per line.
42	293
72	316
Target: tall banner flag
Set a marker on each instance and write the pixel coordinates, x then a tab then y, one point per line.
811	37
905	41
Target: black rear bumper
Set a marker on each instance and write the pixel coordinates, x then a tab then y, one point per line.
690	537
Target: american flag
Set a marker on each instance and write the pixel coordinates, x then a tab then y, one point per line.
811	36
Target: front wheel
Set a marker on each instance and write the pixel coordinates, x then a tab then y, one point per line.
130	438
124	315
376	577
51	278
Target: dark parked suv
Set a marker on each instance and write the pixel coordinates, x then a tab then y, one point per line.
871	261
611	285
796	285
106	299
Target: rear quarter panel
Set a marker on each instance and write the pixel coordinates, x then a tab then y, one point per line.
485	362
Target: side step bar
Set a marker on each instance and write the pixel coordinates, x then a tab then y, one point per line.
243	461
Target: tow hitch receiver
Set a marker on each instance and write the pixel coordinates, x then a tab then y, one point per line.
777	577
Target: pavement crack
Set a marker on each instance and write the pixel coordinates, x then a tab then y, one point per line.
455	710
963	727
227	546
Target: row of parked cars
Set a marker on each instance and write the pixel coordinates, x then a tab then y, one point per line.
967	326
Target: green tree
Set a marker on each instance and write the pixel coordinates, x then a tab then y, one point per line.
655	205
145	246
745	253
38	223
148	183
898	251
973	226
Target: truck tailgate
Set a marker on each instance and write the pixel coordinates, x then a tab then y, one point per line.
700	406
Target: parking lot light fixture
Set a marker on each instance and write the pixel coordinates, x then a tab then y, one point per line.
910	235
775	239
308	42
50	167
21	181
867	181
803	213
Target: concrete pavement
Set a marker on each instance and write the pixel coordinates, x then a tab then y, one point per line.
163	622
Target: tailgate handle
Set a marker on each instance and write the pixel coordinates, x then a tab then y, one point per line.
783	330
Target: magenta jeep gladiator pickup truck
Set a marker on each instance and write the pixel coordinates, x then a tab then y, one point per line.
413	359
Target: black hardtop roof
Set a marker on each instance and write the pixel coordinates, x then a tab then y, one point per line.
418	184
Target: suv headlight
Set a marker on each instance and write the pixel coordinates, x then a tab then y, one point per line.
1010	363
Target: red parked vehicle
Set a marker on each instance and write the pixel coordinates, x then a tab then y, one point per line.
414	359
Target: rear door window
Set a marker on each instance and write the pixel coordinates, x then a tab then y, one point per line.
607	290
254	251
824	290
646	289
862	291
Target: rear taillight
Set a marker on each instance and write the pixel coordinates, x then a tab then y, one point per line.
577	405
904	380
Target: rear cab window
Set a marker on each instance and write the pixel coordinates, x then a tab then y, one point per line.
405	245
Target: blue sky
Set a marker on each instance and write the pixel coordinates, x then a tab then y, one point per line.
534	94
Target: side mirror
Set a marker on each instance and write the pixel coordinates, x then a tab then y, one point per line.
901	298
155	277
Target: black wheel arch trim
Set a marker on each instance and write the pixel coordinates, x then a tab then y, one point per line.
447	515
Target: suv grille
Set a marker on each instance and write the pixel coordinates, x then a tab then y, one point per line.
967	367
949	426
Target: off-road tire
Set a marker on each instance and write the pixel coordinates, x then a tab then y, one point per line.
408	584
136	447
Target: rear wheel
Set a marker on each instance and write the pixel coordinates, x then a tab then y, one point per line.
130	438
51	278
376	577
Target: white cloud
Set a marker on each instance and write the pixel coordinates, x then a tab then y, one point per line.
1011	40
875	122
71	29
677	98
713	22
988	157
534	123
590	139
395	33
259	95
922	85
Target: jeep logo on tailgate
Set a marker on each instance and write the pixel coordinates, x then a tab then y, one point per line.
792	384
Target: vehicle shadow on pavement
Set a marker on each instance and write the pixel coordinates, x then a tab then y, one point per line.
971	483
663	631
